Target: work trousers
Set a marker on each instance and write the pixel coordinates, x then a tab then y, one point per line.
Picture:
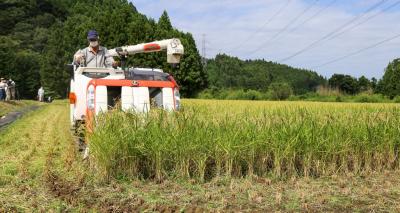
2	94
8	94
13	93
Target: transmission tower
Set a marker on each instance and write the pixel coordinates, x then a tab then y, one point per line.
203	52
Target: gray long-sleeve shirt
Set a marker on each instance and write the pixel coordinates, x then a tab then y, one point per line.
93	59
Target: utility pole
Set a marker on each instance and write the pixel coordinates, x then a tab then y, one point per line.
203	52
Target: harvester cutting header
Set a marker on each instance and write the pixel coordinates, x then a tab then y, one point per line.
97	84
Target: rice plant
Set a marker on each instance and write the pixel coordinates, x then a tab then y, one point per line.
239	138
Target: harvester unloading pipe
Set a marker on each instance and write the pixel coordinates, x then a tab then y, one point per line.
173	46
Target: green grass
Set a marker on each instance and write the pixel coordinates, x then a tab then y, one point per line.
34	150
9	106
236	138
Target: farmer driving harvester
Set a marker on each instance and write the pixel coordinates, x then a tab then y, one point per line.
96	87
94	55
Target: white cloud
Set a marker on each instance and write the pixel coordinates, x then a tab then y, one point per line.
228	23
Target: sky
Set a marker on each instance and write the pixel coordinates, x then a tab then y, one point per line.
356	37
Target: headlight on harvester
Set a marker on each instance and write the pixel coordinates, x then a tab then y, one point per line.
177	99
90	97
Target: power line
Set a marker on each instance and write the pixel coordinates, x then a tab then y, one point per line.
313	16
310	46
203	51
294	20
265	24
367	19
357	52
284	28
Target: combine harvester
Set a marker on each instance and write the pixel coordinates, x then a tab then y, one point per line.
95	90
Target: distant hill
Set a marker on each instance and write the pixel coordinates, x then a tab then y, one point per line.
226	72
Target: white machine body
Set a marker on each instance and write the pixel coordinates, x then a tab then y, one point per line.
96	90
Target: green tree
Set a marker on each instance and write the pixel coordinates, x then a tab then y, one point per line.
25	72
164	22
25	29
8	47
280	91
190	74
51	31
227	72
390	83
364	84
374	83
344	83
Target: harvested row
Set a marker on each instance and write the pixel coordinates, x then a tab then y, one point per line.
235	138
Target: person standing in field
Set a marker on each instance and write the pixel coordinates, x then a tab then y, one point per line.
8	91
94	55
41	94
11	84
2	89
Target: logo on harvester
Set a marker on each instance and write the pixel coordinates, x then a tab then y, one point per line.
135	83
151	47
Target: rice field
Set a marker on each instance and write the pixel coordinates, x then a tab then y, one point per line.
210	138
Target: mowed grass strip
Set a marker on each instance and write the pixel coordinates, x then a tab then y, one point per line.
32	149
10	106
211	138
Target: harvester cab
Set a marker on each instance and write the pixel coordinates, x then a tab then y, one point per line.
94	90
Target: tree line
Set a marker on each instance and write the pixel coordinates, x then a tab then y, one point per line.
279	81
231	72
389	85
